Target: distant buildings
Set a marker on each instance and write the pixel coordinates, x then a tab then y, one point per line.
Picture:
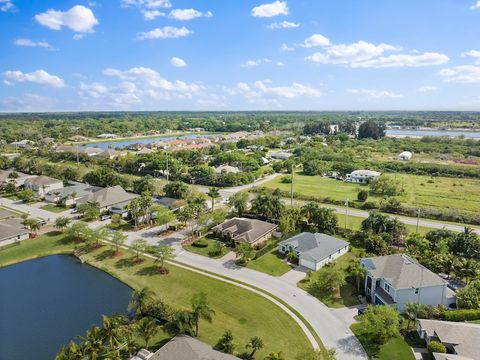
405	156
362	176
226	169
22	143
280	155
397	279
107	136
250	231
314	250
42	184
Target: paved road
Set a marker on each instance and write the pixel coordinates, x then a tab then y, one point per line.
29	209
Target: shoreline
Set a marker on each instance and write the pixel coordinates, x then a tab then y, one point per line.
129	138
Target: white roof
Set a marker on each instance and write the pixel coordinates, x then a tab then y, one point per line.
365	173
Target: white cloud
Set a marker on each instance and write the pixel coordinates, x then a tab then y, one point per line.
31	43
476	5
243	86
252	63
349	53
177	62
79	19
428	88
188	14
7	5
271	9
293	91
279	63
375	94
152	14
167	32
404	60
283	25
475	54
316	40
286	48
40	77
461	74
149	4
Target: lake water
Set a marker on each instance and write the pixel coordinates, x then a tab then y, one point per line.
46	302
124	143
435	133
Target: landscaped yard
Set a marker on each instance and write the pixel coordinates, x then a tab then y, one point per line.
420	191
206	246
271	263
54	208
395	349
245	313
347	296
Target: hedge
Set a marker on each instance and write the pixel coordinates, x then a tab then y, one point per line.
462	315
265	250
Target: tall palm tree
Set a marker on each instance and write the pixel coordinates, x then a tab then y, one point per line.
201	310
139	299
93	342
213	193
146	329
358	272
112	330
72	351
182	323
309	211
411	311
255	344
275	356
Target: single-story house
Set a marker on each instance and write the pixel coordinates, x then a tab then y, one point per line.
70	194
109	198
280	155
460	339
8	176
242	230
183	347
145	151
397	279
12	230
314	250
136	146
22	143
42	184
405	156
226	169
362	176
82	150
108	153
107	136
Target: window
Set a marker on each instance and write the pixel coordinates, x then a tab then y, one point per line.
386	287
416	291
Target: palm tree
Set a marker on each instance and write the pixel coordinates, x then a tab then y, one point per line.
411	311
213	193
255	344
62	222
275	356
72	351
201	310
182	323
139	299
93	342
146	329
111	329
358	272
308	211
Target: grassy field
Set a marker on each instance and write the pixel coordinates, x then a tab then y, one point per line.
246	314
420	191
271	263
208	250
347	294
395	349
54	208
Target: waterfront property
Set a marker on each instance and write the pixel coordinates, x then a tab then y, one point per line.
314	250
460	339
42	184
362	176
397	279
12	230
250	231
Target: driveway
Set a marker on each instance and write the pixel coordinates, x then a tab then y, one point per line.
32	210
295	275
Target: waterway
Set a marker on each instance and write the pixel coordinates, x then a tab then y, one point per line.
121	144
434	133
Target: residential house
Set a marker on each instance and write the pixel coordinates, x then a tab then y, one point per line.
362	176
108	154
42	184
280	155
136	146
22	143
314	250
250	231
8	176
460	339
78	138
113	199
70	194
107	136
145	151
226	169
183	347
82	150
405	156
11	230
397	279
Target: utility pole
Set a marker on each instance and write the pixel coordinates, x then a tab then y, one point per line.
418	220
346	214
291	189
78	160
168	173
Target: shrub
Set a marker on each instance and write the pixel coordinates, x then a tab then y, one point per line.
200	243
362	195
462	315
369	205
436	347
286	180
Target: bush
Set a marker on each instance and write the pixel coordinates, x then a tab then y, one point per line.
200	243
436	347
265	250
362	195
462	315
369	205
286	180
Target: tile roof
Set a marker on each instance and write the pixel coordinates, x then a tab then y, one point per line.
245	230
108	197
315	246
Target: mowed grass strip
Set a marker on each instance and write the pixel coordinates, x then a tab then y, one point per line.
271	263
245	313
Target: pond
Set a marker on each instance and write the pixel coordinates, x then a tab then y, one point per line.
46	302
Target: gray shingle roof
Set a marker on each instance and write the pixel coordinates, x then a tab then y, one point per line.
315	246
463	336
108	197
42	180
401	271
11	228
78	188
245	230
183	347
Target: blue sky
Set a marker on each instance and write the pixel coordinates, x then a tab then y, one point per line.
239	55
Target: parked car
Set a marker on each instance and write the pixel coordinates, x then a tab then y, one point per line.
74	211
42	222
105	217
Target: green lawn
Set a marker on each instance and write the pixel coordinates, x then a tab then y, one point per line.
395	349
243	312
54	208
347	296
271	263
208	250
420	191
122	226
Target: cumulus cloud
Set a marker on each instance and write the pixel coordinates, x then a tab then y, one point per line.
476	5
475	54
7	5
188	14
40	77
272	9
260	89
404	60
286	48
167	32
428	88
78	18
315	40
283	25
152	14
148	4
375	94
349	53
31	43
252	63
177	62
461	74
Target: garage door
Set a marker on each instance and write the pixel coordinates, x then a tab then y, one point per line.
307	264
